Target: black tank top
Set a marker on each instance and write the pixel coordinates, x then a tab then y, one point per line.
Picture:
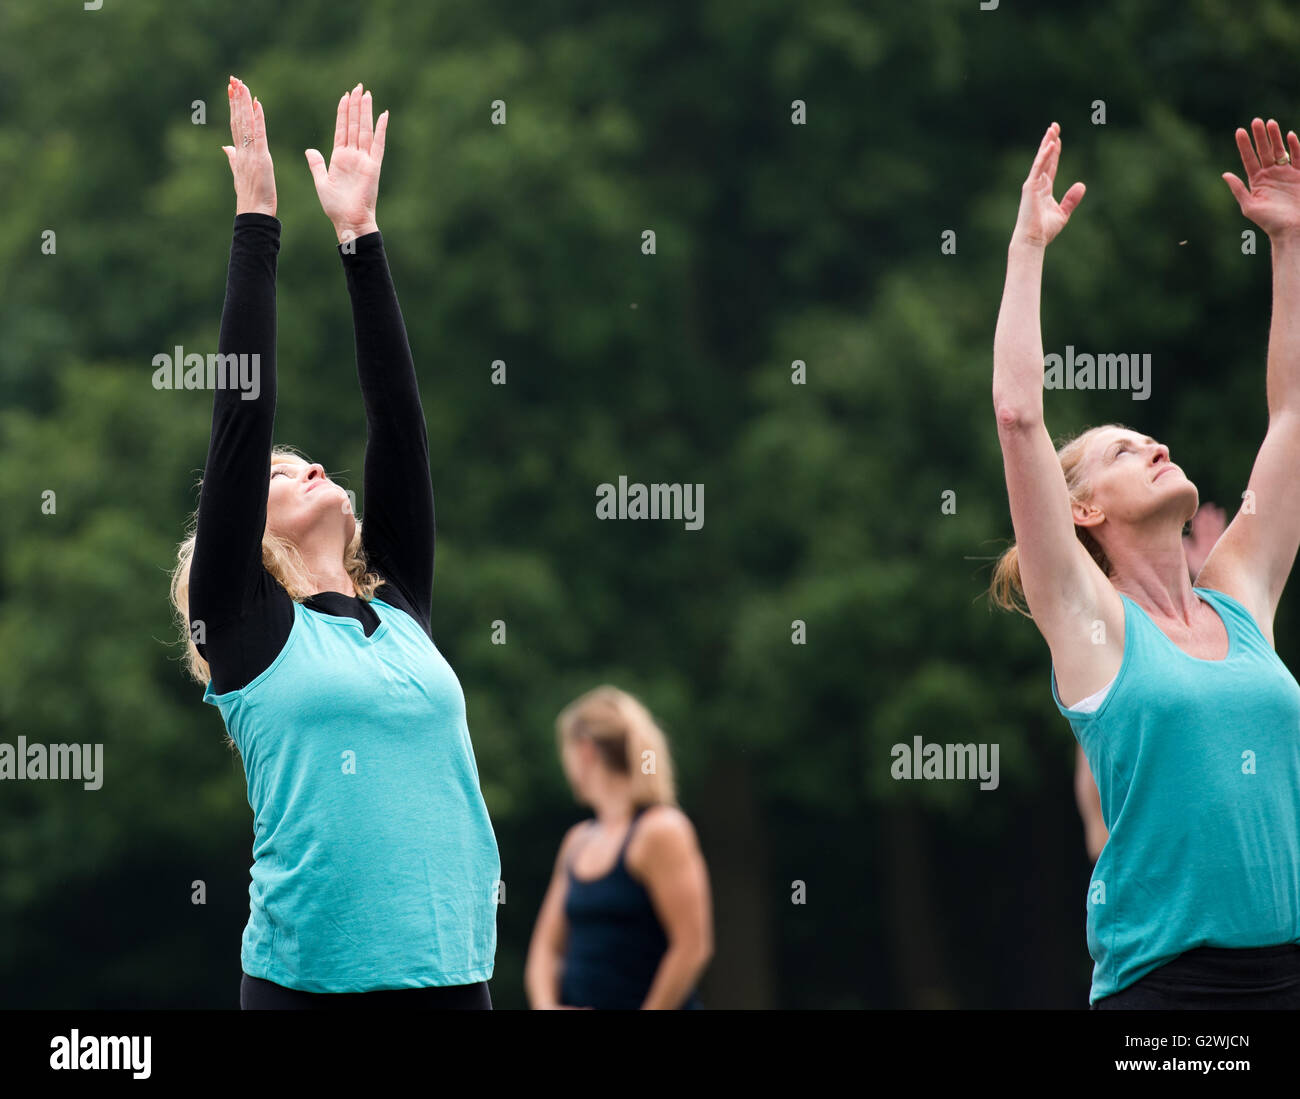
615	941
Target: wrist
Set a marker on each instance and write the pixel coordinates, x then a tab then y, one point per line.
1025	245
1287	237
255	208
346	231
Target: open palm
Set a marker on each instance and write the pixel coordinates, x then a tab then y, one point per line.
1272	200
349	189
1041	217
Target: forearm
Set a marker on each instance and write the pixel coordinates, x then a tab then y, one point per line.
398	524
1284	328
542	980
385	366
678	972
232	501
1018	340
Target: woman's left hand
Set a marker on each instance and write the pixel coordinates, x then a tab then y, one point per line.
1273	199
349	189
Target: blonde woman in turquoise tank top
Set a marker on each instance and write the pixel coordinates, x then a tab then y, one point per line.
375	875
1189	721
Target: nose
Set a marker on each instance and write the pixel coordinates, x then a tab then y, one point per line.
315	470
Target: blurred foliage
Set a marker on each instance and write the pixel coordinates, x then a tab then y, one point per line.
521	242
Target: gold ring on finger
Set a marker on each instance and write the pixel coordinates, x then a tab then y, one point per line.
1285	158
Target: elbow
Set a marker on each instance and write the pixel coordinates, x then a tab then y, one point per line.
1015	417
699	953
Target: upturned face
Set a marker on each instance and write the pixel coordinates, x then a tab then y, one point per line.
301	500
1134	480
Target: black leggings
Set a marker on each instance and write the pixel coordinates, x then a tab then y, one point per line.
256	994
1213	978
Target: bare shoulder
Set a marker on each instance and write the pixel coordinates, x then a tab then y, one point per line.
570	840
1086	639
664	834
1223	573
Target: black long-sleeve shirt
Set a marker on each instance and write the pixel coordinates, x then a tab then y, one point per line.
246	614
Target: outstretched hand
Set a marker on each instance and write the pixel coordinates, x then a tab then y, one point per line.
1273	199
349	188
1041	217
250	156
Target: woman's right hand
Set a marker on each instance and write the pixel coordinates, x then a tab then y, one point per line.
1041	217
250	157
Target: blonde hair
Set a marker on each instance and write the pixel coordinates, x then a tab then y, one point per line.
282	560
1006	590
627	740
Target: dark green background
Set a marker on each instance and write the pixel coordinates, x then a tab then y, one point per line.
521	242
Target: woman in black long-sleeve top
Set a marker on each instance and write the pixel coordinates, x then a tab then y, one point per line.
375	864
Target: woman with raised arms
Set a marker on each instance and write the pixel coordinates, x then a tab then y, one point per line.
1189	720
376	871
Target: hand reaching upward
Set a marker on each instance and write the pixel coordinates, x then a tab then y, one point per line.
249	156
1273	199
349	188
1041	217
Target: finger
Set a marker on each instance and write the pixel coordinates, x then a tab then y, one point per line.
1260	133
244	114
1072	198
341	122
250	126
1249	160
234	122
1293	147
1276	146
381	135
354	116
367	132
1237	188
316	163
259	124
1053	159
1036	168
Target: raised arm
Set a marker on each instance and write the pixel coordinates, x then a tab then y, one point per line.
398	529
1063	586
1254	557
227	563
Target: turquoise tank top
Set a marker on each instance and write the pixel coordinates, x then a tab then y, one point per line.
1198	766
374	862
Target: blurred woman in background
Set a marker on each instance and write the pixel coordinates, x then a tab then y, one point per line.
627	920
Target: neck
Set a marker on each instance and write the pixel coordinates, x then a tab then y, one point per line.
612	803
325	569
1152	570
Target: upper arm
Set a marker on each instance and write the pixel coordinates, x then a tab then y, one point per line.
551	928
227	561
1088	798
1063	586
1253	558
670	864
